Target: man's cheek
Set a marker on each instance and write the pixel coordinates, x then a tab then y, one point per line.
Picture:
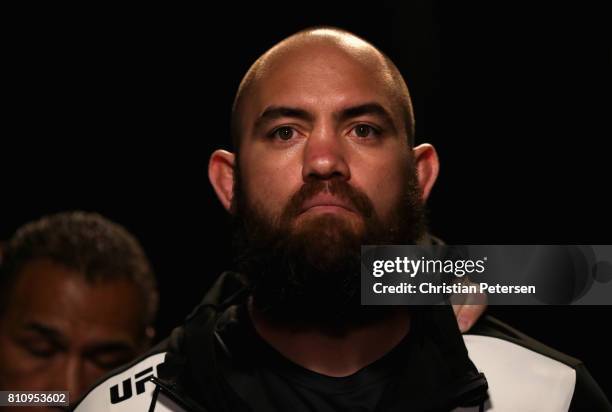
267	202
19	365
385	200
273	193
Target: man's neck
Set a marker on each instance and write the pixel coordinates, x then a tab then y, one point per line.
337	355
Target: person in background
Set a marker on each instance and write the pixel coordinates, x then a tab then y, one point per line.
78	298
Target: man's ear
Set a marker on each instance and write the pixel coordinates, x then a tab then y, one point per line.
221	176
427	166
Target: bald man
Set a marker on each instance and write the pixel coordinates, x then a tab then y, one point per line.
324	161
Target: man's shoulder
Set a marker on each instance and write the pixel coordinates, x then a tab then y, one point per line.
128	388
520	370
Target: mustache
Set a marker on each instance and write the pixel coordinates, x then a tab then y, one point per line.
334	186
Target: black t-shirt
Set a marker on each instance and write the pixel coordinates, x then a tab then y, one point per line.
267	381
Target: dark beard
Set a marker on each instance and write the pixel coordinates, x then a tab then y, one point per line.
309	276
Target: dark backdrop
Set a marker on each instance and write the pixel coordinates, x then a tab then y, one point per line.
117	111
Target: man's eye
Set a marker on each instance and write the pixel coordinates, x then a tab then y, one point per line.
364	130
40	349
283	133
110	361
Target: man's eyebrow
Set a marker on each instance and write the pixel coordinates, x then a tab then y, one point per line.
112	346
277	112
364	109
46	331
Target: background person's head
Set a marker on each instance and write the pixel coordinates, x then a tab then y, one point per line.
77	299
323	128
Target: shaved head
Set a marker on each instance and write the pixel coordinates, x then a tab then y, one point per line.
323	162
303	48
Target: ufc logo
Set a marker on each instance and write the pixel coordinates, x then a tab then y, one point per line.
138	381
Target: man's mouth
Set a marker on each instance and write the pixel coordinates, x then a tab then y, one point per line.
327	203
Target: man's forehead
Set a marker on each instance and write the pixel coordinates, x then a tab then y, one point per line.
316	56
320	74
310	46
321	71
68	296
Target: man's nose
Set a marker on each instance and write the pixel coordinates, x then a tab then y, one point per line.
72	378
325	155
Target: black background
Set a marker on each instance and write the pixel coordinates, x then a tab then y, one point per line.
117	111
